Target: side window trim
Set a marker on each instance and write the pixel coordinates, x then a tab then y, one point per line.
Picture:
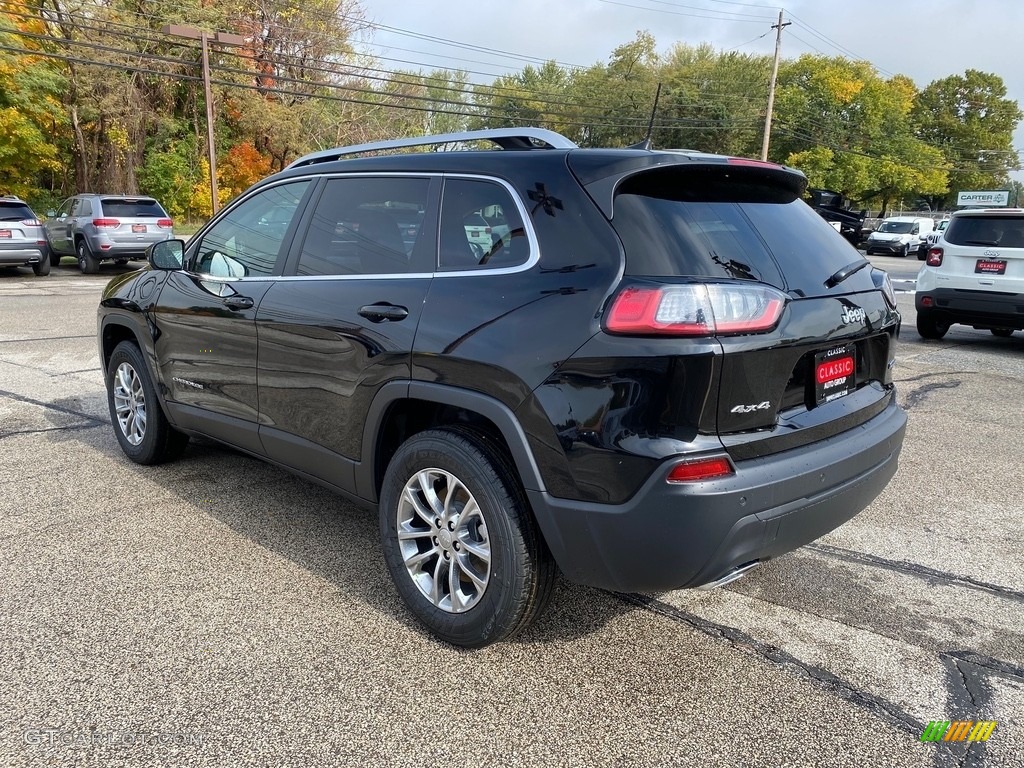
421	256
524	215
301	211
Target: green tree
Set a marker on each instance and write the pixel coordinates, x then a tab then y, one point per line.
852	130
970	119
30	118
712	101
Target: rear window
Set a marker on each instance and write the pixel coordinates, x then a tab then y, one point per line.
716	226
1003	231
11	211
125	208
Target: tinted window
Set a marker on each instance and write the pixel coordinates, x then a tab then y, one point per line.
247	240
1004	231
11	211
127	208
365	226
480	227
716	224
896	227
84	208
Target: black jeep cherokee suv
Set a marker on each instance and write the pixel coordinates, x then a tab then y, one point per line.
658	370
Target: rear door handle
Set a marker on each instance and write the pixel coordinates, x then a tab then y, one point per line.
378	313
238	302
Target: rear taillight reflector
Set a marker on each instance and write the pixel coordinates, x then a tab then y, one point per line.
106	223
700	469
934	257
695	309
165	223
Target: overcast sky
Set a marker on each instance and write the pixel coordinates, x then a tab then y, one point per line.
924	39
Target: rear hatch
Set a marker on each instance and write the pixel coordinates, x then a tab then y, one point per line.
19	227
134	220
983	250
728	250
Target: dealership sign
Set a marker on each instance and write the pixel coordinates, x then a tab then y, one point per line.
998	197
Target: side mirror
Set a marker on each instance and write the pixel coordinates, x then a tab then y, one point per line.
167	255
915	231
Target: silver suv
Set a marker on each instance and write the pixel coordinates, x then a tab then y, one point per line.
22	242
94	228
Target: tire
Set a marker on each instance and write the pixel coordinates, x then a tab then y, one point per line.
131	395
42	267
88	263
929	327
922	253
1003	333
503	568
905	251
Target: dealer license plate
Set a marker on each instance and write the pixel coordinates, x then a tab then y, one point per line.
138	227
990	267
834	373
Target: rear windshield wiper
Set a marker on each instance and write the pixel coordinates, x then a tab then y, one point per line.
845	272
980	242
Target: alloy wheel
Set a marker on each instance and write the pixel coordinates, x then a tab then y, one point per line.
443	540
130	403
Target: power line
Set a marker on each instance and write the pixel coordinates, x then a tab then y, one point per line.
678	13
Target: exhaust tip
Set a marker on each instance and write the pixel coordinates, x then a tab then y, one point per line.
731	576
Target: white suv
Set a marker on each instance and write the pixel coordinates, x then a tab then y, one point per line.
974	275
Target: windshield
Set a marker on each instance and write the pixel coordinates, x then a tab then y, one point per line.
896	227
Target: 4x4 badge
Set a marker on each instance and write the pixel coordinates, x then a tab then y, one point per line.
762	406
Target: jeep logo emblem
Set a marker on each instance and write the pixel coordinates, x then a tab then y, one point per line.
853	315
990	253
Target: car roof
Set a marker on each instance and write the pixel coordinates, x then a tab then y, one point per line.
987	212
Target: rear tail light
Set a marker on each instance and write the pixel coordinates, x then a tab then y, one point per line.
934	257
696	309
106	223
165	223
695	470
31	222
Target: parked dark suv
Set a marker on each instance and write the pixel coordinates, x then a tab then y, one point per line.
667	370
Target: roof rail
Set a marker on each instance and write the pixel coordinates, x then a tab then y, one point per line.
506	138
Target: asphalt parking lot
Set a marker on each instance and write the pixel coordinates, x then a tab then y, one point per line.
220	612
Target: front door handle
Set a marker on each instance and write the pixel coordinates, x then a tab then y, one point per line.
378	313
238	302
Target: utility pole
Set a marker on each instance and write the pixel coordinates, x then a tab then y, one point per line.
771	86
205	38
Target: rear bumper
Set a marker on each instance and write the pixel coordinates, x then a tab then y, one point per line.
105	248
23	255
986	309
672	536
